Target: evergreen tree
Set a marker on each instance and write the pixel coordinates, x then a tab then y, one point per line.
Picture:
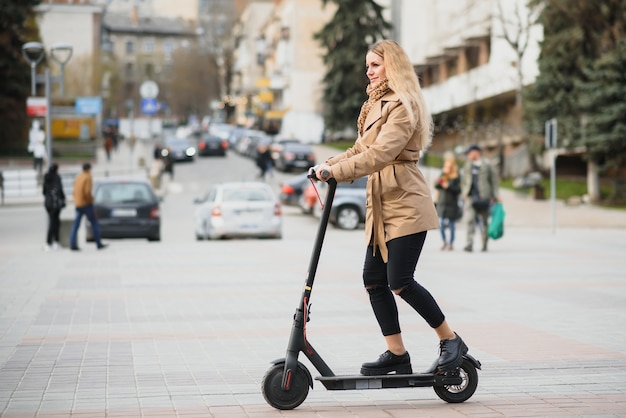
602	100
580	39
346	38
17	26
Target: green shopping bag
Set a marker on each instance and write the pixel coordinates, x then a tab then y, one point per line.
496	226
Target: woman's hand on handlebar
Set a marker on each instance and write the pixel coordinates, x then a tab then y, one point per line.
322	172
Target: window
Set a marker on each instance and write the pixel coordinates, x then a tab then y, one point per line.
130	47
129	69
452	67
149	70
168	48
148	46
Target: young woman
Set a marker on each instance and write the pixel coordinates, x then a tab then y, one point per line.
393	127
449	187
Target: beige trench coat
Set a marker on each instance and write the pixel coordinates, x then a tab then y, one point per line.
398	198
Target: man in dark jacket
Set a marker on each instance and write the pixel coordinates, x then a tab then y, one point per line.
480	190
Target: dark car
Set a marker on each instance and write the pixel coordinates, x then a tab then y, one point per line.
277	146
348	210
212	145
293	156
291	190
178	149
126	208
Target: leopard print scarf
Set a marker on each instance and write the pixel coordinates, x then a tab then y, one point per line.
374	93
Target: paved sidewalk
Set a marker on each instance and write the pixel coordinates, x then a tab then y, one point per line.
187	329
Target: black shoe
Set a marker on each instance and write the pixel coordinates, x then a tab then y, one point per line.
468	248
102	246
74	248
387	363
451	353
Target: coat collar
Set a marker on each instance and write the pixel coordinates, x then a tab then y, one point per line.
376	111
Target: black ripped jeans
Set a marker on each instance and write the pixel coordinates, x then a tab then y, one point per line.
381	278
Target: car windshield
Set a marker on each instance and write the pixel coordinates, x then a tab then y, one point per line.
246	195
172	142
123	193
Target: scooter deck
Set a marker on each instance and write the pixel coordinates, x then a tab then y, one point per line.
351	382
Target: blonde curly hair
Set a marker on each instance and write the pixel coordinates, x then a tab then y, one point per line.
404	82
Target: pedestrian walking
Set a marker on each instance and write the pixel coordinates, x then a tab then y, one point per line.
448	187
83	201
393	127
39	152
479	187
264	160
54	202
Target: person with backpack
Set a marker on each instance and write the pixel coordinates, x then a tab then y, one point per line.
54	202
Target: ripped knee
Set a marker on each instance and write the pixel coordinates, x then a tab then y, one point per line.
373	288
397	291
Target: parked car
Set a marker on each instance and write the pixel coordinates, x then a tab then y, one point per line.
295	155
249	141
238	209
291	190
222	130
277	146
126	208
348	210
212	145
178	149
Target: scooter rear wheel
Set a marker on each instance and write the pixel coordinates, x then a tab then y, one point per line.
459	393
284	399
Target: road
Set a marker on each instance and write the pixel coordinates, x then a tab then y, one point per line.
188	328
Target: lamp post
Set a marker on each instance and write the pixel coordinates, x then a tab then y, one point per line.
61	53
34	52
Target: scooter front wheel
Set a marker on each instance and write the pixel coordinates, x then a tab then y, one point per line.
285	399
462	392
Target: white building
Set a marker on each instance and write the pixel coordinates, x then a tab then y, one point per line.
470	73
289	88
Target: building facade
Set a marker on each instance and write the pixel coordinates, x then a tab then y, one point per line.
471	73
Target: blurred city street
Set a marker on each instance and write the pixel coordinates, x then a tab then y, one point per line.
186	328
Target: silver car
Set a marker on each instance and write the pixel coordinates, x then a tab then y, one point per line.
348	210
238	209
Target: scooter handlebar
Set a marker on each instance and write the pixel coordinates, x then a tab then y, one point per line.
325	175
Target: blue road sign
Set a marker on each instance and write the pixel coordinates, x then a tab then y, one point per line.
149	106
88	105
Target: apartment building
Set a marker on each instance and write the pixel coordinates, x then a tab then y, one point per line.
279	68
471	74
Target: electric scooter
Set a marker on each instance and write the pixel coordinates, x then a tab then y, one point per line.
286	384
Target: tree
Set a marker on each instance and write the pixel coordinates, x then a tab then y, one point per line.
194	81
579	37
346	37
17	26
604	134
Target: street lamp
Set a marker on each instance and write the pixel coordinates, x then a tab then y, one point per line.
61	53
34	53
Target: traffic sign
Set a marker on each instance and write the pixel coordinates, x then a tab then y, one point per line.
88	105
36	106
149	106
149	89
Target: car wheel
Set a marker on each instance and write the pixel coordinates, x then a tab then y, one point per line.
154	238
348	217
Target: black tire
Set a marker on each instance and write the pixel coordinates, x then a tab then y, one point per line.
464	391
284	399
348	217
154	238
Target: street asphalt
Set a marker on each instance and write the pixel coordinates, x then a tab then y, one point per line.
173	329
